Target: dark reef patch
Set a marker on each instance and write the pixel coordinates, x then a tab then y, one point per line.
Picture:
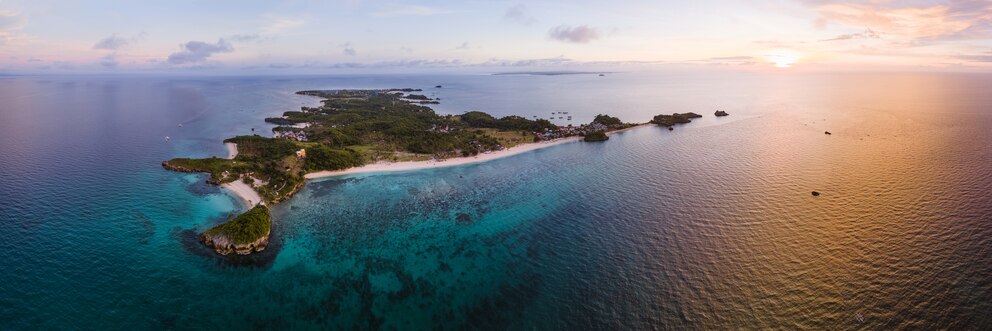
463	219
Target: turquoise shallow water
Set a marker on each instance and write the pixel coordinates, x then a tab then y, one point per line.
710	226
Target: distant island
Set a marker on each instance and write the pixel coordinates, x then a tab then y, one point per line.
676	118
362	131
551	73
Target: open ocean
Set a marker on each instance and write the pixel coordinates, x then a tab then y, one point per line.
709	226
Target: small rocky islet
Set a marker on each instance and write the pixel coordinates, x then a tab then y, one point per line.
245	234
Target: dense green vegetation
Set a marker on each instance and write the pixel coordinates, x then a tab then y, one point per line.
219	169
321	157
355	127
256	148
417	97
246	228
596	136
608	121
479	119
676	118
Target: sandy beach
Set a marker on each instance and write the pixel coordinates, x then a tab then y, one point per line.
416	165
247	194
250	197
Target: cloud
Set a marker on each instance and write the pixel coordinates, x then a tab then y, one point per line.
543	62
280	65
243	38
730	60
10	26
867	34
518	14
580	34
10	20
61	65
283	24
109	61
421	63
198	51
348	49
914	20
463	46
410	10
115	42
987	57
405	49
111	43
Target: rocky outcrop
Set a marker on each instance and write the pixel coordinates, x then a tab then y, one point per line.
245	234
596	136
179	168
224	245
720	113
676	118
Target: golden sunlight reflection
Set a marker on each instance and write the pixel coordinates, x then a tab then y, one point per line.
782	58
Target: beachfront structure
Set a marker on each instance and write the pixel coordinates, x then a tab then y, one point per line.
292	135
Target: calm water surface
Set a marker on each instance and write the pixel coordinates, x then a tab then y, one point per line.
710	226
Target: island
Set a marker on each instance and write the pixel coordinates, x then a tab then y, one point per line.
596	136
246	233
362	131
676	118
720	113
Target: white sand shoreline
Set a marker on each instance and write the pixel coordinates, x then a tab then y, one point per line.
380	167
246	193
250	197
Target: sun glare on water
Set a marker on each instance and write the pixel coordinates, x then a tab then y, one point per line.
782	58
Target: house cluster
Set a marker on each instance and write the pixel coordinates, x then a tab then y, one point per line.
568	131
482	148
294	135
438	128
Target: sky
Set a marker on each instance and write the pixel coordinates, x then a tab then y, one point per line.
492	36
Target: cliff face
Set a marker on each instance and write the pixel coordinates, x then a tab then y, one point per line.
245	234
178	168
224	245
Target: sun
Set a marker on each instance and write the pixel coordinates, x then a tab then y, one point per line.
782	58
